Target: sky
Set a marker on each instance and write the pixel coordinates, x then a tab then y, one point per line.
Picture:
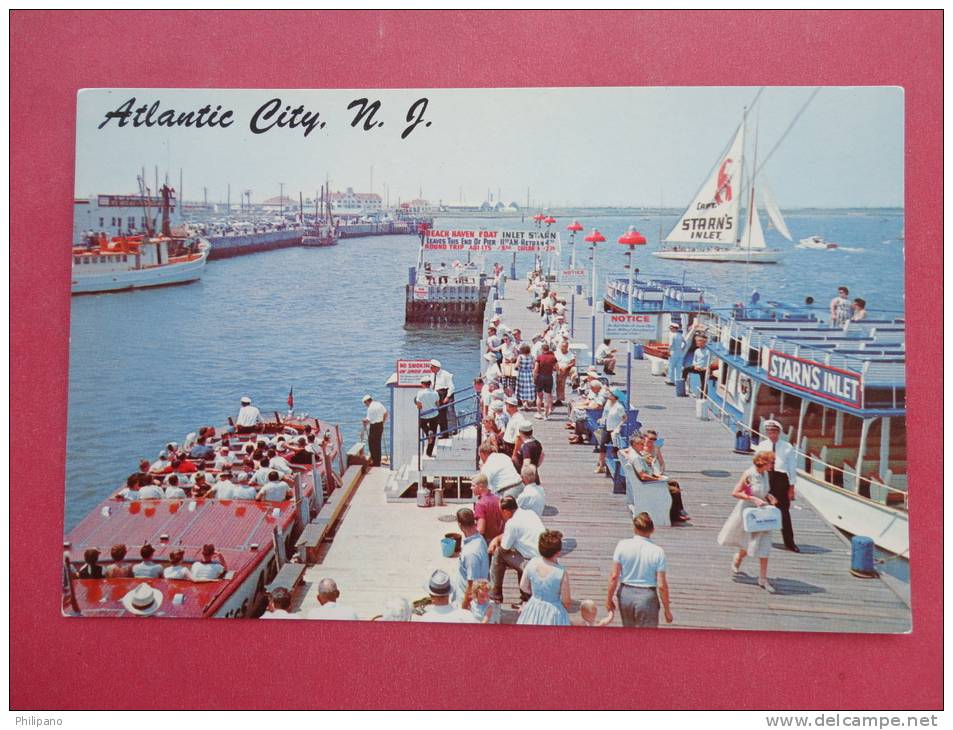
635	146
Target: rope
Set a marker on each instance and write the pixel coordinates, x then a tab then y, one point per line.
787	131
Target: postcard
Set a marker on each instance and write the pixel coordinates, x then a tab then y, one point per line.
580	357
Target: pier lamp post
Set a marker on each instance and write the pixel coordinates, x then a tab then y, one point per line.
630	238
573	229
592	239
549	223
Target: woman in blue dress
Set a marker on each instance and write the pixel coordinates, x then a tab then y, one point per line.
546	579
525	388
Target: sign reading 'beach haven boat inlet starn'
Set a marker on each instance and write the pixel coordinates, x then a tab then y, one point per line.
842	386
492	241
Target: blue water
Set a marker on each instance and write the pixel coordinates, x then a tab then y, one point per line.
148	367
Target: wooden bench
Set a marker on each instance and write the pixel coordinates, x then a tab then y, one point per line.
651	497
289	577
318	529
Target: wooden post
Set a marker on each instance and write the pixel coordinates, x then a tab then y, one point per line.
884	447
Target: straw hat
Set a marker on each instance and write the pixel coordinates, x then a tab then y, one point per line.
143	600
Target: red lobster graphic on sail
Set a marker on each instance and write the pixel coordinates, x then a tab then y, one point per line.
723	189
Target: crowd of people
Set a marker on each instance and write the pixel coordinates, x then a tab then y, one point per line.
209	564
239	463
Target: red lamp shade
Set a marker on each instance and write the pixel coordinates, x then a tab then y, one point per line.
632	238
539	217
595	237
549	221
575	227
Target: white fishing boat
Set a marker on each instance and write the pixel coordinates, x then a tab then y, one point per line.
816	242
708	229
137	262
122	263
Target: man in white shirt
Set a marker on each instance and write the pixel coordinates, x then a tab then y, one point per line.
172	489
565	368
147	568
274	490
328	607
211	567
516	418
498	468
279	603
605	356
249	417
224	487
533	497
638	579
374	421
223	460
783	477
841	309
242	489
518	544
277	460
151	491
443	384
426	400
440	609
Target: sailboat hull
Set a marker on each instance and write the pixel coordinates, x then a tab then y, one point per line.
725	255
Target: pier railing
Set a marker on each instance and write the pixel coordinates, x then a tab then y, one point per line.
457	420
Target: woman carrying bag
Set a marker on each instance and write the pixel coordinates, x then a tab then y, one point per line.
743	530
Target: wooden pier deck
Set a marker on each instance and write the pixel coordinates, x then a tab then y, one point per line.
384	549
816	591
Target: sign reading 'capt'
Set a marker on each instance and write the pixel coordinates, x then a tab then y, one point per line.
824	381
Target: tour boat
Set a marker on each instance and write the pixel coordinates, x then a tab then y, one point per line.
253	537
815	242
841	397
137	262
707	230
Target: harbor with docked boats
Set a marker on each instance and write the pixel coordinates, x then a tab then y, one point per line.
273	328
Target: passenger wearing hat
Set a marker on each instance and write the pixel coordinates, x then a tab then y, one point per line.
440	609
494	344
529	451
374	423
249	417
143	600
493	372
782	477
612	420
698	358
443	384
426	401
511	432
677	347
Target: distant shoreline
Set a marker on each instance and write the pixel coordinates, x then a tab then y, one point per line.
608	212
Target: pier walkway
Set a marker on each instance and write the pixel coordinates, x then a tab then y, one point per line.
383	549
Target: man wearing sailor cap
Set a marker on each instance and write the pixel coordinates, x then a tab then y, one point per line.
443	384
783	476
249	417
426	400
374	421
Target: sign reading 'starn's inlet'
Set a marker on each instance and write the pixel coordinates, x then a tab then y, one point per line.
824	381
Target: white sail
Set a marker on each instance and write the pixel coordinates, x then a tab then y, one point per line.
753	237
712	217
772	209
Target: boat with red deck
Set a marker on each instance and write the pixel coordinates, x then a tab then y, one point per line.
254	537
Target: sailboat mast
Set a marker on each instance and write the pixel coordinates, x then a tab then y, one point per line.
751	207
741	181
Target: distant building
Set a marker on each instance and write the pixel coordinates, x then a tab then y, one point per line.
417	206
116	215
351	202
278	202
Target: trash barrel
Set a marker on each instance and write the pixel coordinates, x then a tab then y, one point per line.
457	540
447	547
701	409
742	442
862	557
638	352
658	366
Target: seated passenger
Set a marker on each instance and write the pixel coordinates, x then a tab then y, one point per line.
274	490
175	570
278	461
119	568
200	485
202	450
184	466
172	489
147	568
210	567
242	489
645	466
91	567
223	460
151	491
301	455
161	464
131	491
223	488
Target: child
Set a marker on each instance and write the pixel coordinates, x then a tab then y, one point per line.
588	611
482	608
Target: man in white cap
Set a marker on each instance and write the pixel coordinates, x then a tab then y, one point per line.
443	384
426	400
249	417
374	423
782	476
511	432
440	609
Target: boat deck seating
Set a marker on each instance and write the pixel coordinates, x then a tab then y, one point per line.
631	425
651	497
289	577
453	292
321	526
889	491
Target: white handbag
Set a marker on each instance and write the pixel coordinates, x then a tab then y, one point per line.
762	519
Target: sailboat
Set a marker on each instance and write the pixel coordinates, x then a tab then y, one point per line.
707	230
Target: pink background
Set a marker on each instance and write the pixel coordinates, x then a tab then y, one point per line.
56	661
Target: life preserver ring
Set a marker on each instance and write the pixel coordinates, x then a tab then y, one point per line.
744	388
